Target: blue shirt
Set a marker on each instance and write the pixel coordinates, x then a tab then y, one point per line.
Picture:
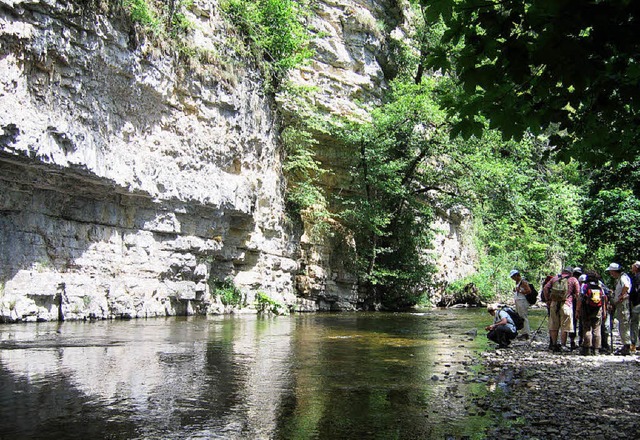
500	314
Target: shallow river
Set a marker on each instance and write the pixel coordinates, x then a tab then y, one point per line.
313	376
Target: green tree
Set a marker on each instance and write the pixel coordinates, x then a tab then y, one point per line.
568	67
526	210
526	206
396	178
612	211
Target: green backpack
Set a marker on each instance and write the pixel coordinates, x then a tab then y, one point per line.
560	289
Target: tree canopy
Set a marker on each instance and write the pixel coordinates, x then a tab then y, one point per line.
570	68
557	78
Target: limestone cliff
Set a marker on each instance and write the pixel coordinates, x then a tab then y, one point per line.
130	180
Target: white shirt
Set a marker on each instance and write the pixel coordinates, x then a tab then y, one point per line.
518	292
622	281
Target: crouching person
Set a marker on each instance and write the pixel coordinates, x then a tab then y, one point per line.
503	330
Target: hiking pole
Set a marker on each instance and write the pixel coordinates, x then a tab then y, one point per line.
536	332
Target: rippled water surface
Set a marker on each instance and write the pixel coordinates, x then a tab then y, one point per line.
316	376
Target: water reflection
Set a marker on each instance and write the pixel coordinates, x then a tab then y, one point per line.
306	376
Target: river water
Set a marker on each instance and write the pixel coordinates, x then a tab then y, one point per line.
311	376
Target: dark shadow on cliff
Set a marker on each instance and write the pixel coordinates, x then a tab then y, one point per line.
67	221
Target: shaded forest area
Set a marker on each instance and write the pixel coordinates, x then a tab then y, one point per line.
524	113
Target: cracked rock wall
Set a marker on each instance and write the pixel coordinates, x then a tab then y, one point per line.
127	180
131	179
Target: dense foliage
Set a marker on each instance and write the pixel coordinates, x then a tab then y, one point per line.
612	210
275	31
567	69
394	176
527	211
412	164
529	98
570	67
525	206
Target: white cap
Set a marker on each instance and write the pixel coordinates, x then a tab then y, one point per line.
513	272
582	278
615	266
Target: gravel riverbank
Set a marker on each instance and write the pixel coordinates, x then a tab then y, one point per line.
536	394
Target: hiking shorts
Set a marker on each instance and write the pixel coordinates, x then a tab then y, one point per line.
560	317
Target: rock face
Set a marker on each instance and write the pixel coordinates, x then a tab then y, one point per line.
130	180
453	255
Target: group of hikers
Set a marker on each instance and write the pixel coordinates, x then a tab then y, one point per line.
578	304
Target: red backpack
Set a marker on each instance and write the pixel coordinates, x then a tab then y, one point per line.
594	295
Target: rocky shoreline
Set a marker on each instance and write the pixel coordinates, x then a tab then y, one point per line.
537	394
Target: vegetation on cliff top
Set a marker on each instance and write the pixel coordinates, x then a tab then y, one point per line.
275	32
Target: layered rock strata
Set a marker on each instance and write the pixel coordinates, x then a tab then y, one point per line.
131	180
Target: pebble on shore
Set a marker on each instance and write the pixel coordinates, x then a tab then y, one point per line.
538	394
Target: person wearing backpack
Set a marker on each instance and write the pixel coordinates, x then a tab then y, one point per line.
577	322
606	325
620	306
544	283
503	330
559	294
592	312
634	300
522	289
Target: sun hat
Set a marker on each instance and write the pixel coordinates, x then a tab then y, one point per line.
614	266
